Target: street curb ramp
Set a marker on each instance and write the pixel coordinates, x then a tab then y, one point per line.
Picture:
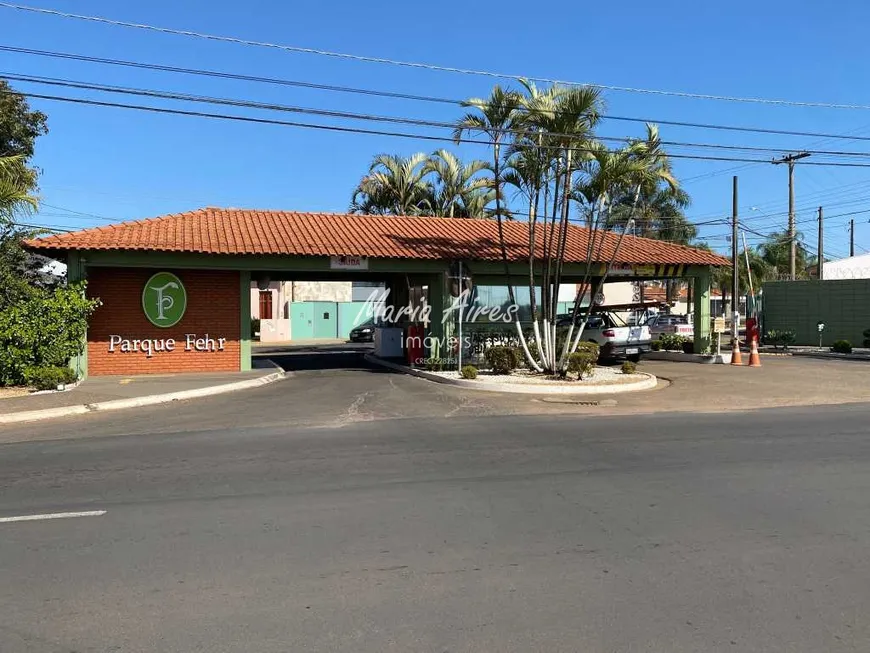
138	402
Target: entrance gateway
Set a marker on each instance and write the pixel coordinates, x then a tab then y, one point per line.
175	290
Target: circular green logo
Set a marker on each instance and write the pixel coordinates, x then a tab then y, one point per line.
164	299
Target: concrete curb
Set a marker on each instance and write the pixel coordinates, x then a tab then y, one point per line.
647	384
832	356
680	357
136	402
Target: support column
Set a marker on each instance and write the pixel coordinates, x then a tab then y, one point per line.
76	271
245	317
438	305
701	298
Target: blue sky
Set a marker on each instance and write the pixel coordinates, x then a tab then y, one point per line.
122	164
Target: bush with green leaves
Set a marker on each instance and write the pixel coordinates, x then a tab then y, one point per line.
780	338
628	367
672	341
468	372
501	359
655	345
590	347
48	378
866	335
45	328
842	347
582	363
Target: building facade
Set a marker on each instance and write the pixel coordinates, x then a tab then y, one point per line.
177	292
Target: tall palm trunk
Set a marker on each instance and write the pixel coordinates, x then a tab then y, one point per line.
499	219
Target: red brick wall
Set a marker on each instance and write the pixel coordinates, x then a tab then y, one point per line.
213	308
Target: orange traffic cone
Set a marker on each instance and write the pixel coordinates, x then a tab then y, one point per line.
736	359
754	358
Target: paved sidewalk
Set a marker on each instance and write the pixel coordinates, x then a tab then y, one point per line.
111	392
781	381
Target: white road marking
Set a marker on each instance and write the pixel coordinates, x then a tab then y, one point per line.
54	515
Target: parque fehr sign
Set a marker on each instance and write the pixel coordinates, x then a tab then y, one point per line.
164	299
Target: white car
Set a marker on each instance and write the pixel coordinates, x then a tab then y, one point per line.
615	338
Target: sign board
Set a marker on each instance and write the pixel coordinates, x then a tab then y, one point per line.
348	263
629	270
718	325
164	299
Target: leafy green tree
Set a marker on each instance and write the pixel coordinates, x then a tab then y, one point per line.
19	128
439	184
459	189
394	185
46	328
775	252
19	269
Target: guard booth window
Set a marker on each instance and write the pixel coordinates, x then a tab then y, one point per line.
265	304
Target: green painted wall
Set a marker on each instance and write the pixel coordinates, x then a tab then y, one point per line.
701	299
843	305
245	317
76	271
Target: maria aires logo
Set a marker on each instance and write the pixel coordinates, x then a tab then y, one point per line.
164	299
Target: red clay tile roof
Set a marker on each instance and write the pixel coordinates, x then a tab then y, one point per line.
244	231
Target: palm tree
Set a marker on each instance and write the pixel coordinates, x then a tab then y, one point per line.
394	185
459	192
495	118
15	197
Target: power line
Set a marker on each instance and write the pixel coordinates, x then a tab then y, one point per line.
368	117
355	130
42	226
420	65
187	97
405	96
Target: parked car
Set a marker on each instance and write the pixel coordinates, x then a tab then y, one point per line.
615	338
677	324
365	332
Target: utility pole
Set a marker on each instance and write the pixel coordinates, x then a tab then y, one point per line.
852	237
735	281
792	252
821	244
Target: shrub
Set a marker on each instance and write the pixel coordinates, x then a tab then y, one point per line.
688	347
866	335
521	356
672	341
780	338
48	378
582	363
590	347
501	359
628	367
656	345
842	347
468	372
44	329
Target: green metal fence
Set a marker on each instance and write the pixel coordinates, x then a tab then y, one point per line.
842	305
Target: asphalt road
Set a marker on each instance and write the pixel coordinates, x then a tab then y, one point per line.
739	532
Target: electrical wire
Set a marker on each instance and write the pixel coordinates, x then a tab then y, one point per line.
356	130
420	65
406	96
248	104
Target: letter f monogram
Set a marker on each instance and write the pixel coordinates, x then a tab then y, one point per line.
164	302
